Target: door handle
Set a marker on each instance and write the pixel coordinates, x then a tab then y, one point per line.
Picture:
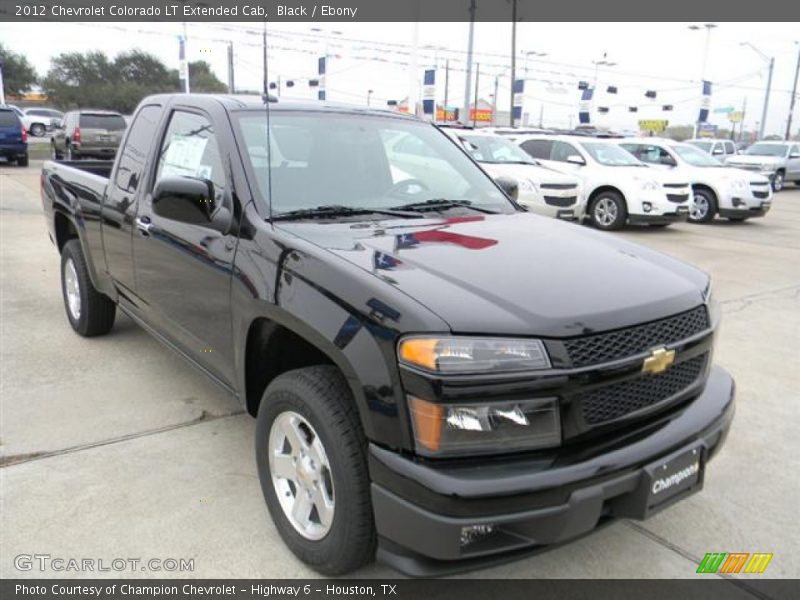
143	224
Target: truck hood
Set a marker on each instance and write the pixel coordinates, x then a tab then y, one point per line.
516	274
741	159
535	173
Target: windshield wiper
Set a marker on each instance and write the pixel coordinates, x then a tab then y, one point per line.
337	210
442	203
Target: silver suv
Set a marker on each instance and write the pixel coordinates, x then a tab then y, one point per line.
88	134
780	161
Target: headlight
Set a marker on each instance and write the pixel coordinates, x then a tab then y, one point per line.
713	307
451	355
526	185
650	185
453	429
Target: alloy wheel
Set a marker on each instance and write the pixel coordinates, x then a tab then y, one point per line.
73	290
605	211
301	475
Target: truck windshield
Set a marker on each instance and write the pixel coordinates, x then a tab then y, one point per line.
767	150
487	149
611	155
704	146
695	157
359	161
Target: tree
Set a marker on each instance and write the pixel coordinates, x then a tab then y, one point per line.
201	79
92	80
18	74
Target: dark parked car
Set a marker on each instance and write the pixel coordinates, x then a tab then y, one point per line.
13	138
88	134
437	375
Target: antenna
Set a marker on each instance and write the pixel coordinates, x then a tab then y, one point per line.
267	100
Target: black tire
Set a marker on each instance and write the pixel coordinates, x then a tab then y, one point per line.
321	396
38	130
22	161
778	181
71	154
54	153
709	198
97	311
598	206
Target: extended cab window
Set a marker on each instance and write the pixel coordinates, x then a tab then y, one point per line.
190	149
538	148
134	153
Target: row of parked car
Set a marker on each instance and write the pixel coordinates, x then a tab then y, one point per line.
612	181
73	135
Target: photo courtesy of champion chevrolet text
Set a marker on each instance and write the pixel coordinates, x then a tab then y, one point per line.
399	299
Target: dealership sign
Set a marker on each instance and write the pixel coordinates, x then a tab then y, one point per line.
653	125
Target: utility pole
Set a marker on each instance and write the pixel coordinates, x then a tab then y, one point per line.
184	64
494	100
766	99
771	62
791	103
446	84
2	89
513	59
470	43
231	86
475	104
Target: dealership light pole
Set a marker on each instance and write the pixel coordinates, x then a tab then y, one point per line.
2	89
528	54
791	103
513	59
771	62
470	44
708	27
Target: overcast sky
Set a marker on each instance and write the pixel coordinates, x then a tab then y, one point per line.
665	57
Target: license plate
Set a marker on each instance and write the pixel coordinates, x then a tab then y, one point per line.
677	475
566	214
104	138
682	210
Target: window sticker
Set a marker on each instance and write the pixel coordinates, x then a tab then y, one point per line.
183	156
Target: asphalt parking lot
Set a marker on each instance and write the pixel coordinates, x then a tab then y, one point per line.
114	447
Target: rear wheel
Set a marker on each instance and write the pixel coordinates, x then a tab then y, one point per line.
37	130
22	161
608	211
90	313
312	464
778	181
54	153
71	154
705	207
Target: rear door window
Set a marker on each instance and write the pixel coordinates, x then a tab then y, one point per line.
538	148
97	121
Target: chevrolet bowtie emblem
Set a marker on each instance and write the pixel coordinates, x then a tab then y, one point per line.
658	361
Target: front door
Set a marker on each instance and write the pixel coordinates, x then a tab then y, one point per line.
183	271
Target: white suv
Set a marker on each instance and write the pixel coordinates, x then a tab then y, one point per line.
619	188
542	190
718	190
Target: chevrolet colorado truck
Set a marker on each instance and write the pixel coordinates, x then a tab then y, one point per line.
439	377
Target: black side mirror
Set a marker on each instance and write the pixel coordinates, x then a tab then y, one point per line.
509	185
184	199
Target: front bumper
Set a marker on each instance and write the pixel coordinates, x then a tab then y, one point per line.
658	219
421	510
745	213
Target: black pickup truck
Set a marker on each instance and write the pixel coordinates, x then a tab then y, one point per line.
437	375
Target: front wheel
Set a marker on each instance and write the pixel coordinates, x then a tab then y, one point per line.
312	464
90	313
778	181
705	207
608	211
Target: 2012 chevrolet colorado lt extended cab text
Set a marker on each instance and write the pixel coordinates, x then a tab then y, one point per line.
438	375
